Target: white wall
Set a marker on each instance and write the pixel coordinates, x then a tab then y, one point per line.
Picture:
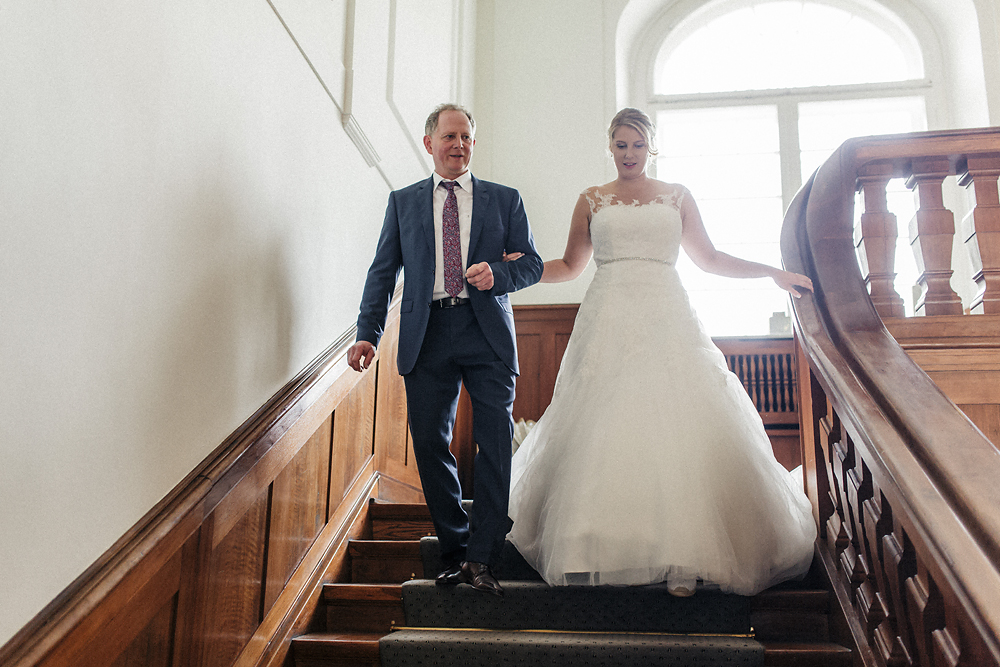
542	101
184	225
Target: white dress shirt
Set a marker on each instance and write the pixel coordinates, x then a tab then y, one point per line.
463	193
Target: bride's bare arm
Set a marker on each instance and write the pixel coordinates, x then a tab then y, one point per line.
701	250
579	248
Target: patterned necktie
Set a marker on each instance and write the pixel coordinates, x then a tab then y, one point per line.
454	281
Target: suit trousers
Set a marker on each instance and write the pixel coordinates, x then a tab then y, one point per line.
455	351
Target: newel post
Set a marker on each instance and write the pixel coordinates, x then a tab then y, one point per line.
981	230
932	233
875	240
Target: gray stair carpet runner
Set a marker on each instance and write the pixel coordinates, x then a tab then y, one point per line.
535	624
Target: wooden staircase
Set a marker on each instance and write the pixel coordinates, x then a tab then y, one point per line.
791	621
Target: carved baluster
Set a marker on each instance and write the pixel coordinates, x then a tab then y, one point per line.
877	525
772	375
868	597
843	461
932	233
981	231
793	382
900	565
824	495
784	382
875	240
926	611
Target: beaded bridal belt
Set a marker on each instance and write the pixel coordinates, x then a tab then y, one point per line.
633	259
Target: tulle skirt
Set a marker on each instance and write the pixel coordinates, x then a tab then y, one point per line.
651	463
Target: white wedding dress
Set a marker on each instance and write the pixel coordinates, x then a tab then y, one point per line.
651	464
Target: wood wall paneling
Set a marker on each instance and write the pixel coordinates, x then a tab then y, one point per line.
144	631
353	435
390	414
234	600
529	390
542	335
961	354
463	445
986	418
153	646
298	510
298	608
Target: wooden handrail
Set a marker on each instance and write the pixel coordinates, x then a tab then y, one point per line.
906	489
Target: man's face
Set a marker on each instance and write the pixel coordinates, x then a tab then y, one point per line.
451	144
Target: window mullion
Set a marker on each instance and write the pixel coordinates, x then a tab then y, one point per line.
788	147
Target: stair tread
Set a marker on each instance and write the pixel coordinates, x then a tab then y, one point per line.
792	647
338	637
357	645
380	509
361	591
799	599
388	548
806	654
482	648
528	604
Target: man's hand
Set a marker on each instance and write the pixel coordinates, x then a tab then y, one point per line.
360	355
480	276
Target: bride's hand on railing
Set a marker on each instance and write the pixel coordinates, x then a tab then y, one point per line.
512	256
793	282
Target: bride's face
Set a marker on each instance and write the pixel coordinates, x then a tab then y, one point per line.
630	151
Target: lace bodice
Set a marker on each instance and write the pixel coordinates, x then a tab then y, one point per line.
623	231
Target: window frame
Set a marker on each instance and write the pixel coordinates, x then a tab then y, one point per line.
787	101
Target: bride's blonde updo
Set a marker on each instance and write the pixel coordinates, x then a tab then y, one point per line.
638	121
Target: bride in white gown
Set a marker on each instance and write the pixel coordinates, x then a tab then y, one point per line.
651	464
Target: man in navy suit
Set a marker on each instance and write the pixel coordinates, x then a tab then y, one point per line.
450	234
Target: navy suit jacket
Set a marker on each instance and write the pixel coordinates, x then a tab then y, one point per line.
499	225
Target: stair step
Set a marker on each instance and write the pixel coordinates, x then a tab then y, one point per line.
383	509
399	521
791	615
363	592
343	649
806	654
363	607
384	561
486	648
536	605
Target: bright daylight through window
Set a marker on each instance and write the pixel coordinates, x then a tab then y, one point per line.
749	99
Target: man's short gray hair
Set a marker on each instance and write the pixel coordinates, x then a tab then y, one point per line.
432	121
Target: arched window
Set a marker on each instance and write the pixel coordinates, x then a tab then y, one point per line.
749	98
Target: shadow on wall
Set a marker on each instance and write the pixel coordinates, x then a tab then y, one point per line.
225	342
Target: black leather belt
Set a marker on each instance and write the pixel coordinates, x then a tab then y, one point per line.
449	302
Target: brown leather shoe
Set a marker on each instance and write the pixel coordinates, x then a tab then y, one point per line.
451	576
478	576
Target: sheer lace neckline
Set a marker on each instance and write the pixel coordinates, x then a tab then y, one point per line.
599	200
